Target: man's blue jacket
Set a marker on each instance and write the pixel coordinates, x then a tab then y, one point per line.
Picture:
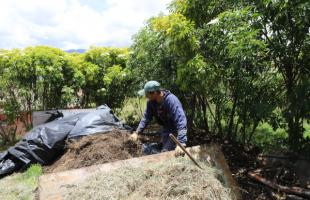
169	113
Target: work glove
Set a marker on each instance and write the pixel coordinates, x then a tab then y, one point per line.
178	151
134	136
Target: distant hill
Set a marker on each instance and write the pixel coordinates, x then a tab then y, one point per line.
75	50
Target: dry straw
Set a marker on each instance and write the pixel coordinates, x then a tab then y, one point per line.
174	179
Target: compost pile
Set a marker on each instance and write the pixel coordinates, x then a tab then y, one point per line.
96	149
174	179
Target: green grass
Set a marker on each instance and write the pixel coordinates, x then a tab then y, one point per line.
21	185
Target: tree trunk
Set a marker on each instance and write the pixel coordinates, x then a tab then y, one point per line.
192	108
252	132
212	125
236	129
218	119
203	105
295	135
231	118
244	125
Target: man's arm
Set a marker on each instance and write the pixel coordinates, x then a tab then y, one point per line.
177	113
147	117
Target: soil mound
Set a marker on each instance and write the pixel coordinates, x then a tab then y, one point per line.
96	149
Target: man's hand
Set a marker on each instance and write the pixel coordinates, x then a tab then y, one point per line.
178	151
134	136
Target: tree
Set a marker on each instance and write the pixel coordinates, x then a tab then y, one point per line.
230	61
112	79
285	28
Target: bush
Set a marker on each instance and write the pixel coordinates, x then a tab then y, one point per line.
68	97
8	127
132	110
307	130
268	138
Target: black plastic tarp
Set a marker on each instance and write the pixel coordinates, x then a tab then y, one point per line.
44	143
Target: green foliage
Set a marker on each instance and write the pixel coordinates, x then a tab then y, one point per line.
110	81
42	78
179	31
46	78
285	29
68	97
234	64
132	110
8	127
11	110
152	59
269	139
307	130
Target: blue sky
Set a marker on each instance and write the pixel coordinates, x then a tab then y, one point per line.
72	24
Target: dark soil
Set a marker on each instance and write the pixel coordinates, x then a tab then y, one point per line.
96	149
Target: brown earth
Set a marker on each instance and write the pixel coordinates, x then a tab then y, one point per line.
96	149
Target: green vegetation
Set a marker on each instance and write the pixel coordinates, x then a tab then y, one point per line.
268	138
234	64
307	130
132	110
240	68
31	78
42	78
21	185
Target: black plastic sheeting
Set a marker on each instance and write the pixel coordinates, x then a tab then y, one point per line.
44	143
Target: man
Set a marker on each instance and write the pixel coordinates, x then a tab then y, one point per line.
167	110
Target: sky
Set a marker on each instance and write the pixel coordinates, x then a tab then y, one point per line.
74	24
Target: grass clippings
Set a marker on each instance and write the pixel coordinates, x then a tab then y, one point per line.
173	179
96	149
21	185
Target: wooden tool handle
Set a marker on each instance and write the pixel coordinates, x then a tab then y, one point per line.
184	150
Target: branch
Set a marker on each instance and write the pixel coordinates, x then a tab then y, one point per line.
290	190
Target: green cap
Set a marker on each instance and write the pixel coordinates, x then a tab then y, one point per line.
150	86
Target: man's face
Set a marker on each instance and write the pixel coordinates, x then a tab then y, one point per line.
152	96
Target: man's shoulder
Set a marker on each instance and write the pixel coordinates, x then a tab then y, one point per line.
171	98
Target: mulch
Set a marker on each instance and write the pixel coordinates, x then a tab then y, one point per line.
96	149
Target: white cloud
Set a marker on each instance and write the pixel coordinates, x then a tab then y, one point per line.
71	24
